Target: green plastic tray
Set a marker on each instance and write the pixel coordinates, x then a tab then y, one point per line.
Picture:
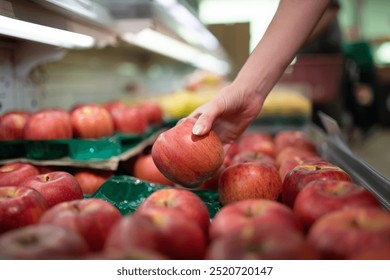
126	193
12	149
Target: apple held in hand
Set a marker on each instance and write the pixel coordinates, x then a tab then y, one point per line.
92	218
55	187
91	180
322	197
12	125
188	203
20	206
250	180
345	233
48	124
187	159
12	174
145	169
42	242
237	215
300	175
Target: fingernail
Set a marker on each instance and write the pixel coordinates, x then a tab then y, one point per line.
197	129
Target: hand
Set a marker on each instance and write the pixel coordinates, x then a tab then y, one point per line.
229	113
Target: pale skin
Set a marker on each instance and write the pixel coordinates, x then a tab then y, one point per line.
235	107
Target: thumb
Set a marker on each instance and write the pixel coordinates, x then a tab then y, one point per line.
203	124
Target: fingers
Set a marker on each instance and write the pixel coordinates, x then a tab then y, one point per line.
204	123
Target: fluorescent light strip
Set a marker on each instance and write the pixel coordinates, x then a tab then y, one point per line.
44	34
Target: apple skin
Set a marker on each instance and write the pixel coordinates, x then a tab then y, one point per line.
291	152
187	159
290	163
302	174
378	253
345	233
42	242
319	198
293	138
46	124
244	157
153	111
130	119
145	169
55	187
249	180
237	215
12	125
91	180
20	206
92	218
255	141
187	202
180	238
262	242
90	121
12	174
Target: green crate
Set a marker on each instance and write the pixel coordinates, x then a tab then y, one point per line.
12	149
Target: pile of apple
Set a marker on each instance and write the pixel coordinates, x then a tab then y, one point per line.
91	120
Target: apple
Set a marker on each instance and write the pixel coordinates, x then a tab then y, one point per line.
289	164
293	138
185	158
250	180
212	183
300	175
243	157
256	141
90	180
12	174
42	242
263	242
46	124
345	233
377	253
130	119
320	197
56	187
12	125
237	215
153	110
187	202
92	218
91	121
20	206
145	169
132	254
180	238
291	152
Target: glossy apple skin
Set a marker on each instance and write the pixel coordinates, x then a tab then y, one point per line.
91	180
301	175
289	164
145	169
345	233
90	121
237	215
180	237
249	181
153	111
183	200
257	142
56	187
293	138
42	242
12	174
187	159
262	242
12	125
319	198
20	206
92	218
48	124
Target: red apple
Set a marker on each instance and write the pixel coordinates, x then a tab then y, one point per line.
132	254
145	169
12	174
255	141
12	125
293	138
130	119
212	183
92	218
345	233
300	175
180	237
250	180
53	123
20	206
56	187
378	253
290	163
185	158
262	242
237	215
90	180
291	152
42	242
91	121
153	111
187	202
320	197
244	157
